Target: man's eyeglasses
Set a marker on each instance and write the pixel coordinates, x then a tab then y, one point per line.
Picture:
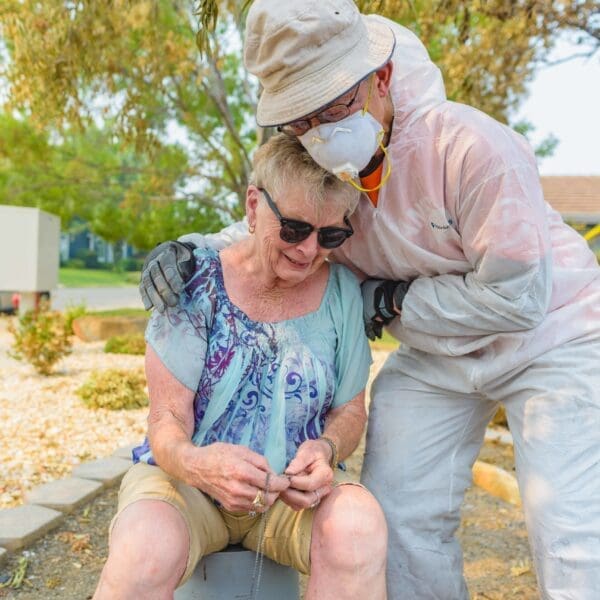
293	231
331	114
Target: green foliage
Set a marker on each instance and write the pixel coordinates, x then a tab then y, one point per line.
120	312
387	343
71	313
89	259
92	178
114	389
126	344
73	264
546	147
16	578
41	338
488	51
130	265
144	81
96	278
98	92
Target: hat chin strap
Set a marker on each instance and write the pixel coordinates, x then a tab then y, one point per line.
386	176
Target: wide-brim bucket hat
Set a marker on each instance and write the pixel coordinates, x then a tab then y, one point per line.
307	53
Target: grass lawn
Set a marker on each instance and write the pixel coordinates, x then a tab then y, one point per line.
387	342
96	278
119	312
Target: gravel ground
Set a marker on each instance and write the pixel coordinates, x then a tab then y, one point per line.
45	431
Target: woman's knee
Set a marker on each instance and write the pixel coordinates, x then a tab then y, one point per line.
349	529
150	541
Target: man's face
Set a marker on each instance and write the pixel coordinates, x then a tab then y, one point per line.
338	109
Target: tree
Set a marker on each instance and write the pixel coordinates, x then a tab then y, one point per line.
86	175
132	66
135	65
488	50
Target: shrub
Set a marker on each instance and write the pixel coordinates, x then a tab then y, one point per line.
42	338
89	257
114	389
71	313
74	263
130	264
133	343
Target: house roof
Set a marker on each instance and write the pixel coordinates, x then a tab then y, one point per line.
576	198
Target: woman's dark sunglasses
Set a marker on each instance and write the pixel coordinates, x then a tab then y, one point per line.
293	231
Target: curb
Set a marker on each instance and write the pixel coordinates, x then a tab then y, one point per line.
47	505
497	482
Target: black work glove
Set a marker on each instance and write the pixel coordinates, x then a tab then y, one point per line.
381	298
166	270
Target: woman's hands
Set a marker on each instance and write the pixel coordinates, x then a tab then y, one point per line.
310	475
233	475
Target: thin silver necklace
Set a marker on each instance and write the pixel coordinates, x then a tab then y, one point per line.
260	555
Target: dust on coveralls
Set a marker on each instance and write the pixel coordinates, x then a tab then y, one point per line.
504	308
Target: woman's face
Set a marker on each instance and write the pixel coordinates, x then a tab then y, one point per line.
291	263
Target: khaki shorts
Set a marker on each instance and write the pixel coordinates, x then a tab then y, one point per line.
287	533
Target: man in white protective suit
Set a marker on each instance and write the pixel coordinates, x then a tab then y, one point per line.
493	298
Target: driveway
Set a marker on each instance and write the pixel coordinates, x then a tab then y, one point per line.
97	298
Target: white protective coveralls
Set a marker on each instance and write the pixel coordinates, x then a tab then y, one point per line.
504	307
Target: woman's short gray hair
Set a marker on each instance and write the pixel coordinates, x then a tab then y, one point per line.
283	161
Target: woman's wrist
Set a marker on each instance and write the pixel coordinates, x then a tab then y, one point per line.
175	458
334	455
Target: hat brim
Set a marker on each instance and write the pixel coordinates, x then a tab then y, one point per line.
319	88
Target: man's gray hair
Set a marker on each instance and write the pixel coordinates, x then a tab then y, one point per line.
283	162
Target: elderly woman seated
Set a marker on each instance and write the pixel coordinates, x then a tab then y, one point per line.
256	383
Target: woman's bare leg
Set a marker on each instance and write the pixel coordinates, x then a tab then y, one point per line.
148	553
348	547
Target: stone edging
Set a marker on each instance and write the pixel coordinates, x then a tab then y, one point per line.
47	505
493	479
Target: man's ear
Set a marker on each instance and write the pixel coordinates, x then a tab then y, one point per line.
383	78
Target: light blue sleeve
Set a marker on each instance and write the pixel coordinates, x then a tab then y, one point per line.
179	335
353	354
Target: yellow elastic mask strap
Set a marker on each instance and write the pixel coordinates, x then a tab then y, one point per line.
365	108
385	177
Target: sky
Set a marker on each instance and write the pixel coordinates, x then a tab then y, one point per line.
565	100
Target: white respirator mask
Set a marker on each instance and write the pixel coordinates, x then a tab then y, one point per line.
345	147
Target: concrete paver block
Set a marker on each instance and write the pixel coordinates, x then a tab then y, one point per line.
64	494
24	524
125	451
107	470
3	555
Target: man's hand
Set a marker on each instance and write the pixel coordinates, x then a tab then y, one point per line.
165	272
382	301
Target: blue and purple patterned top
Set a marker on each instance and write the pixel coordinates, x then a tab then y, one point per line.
267	386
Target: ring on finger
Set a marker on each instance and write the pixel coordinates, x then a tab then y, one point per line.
317	499
259	500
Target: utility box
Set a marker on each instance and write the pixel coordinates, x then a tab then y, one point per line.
29	249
